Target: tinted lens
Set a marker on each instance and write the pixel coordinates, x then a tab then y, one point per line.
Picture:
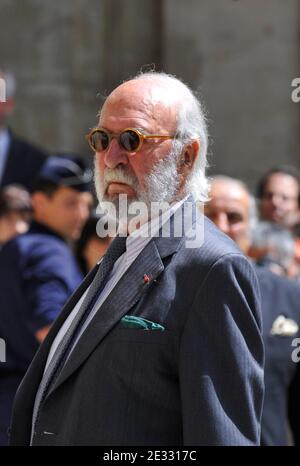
130	140
99	140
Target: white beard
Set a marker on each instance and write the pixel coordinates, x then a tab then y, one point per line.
161	184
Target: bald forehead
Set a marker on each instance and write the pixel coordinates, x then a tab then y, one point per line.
144	98
229	191
149	89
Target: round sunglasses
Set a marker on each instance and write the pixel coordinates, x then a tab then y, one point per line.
130	139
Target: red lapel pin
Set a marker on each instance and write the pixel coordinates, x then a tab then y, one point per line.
146	279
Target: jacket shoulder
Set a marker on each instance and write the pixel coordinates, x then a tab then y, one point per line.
34	247
28	150
213	244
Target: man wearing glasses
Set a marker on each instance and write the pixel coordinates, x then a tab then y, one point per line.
161	343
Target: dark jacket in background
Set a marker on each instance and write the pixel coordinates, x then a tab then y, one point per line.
37	275
23	163
280	297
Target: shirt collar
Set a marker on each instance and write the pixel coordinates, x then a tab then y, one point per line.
151	228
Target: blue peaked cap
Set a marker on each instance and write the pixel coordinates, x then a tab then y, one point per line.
67	171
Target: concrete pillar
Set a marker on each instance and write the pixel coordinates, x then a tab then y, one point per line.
64	53
242	55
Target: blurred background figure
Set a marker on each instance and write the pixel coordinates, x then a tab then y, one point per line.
278	193
232	209
15	212
296	232
274	247
90	247
66	180
20	161
38	271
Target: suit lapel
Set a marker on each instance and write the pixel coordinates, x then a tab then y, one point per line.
126	293
124	296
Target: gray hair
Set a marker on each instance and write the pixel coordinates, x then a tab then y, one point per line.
277	240
10	83
191	125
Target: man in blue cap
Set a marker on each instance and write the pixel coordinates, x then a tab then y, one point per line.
38	272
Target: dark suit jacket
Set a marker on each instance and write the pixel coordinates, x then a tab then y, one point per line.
199	382
38	273
23	163
280	297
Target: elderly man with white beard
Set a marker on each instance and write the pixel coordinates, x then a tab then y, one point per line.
161	344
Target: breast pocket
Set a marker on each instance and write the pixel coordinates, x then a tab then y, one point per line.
142	336
143	364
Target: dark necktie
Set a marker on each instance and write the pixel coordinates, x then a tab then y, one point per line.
115	250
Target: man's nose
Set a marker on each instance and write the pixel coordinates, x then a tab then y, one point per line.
115	155
277	199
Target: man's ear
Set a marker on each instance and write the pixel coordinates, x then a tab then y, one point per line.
39	200
189	156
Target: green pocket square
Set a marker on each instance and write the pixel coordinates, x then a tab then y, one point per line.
139	322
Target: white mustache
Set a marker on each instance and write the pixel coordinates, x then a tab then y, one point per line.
118	175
